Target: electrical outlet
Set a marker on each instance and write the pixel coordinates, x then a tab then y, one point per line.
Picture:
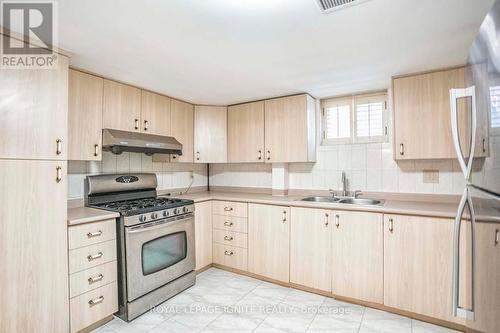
430	176
191	174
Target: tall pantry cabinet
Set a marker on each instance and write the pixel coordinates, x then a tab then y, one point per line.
33	186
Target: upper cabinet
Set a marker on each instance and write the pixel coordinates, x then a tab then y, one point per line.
210	134
422	121
182	120
34	111
155	114
290	129
245	133
85	116
122	107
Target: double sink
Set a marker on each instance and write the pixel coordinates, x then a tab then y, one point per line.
350	201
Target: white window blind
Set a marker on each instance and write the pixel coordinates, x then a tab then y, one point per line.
370	116
337	114
495	106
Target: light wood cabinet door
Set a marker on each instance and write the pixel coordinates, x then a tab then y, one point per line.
418	259
33	247
210	134
203	233
245	133
155	113
311	248
85	116
422	123
34	113
121	107
358	259
487	292
290	129
269	241
182	120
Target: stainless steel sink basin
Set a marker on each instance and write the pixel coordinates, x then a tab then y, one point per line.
364	202
321	199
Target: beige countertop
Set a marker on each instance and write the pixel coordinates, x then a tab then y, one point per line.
420	208
81	215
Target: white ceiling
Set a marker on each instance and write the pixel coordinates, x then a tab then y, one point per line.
228	51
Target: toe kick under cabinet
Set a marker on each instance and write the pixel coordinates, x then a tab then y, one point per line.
92	273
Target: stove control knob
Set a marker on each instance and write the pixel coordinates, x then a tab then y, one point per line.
184	209
165	213
154	216
142	218
176	211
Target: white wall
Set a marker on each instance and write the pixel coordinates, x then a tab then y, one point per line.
170	175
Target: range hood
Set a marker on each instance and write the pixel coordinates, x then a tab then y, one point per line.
118	142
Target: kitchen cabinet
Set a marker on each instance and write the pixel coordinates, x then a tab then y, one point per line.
310	248
84	116
34	111
422	124
203	233
269	241
210	134
33	245
245	133
357	255
121	107
418	265
155	113
290	134
182	121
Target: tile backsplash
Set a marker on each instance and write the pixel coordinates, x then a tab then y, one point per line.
170	175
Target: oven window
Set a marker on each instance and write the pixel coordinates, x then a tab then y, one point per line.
163	252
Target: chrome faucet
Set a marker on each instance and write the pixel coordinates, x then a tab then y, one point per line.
344	184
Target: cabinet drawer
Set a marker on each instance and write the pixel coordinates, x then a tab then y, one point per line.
92	278
229	208
230	256
91	233
93	306
230	223
91	256
231	238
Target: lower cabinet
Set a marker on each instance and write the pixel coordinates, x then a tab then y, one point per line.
203	233
418	265
269	241
310	248
357	255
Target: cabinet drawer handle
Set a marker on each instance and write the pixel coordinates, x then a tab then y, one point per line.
136	122
497	237
228	224
228	238
391	225
146	125
174	156
58	174
58	147
284	216
228	253
268	155
96	301
96	152
259	155
484	145
326	219
401	149
337	221
228	209
197	155
94	234
94	279
91	257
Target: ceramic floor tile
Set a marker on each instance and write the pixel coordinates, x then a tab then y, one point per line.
422	327
300	298
385	326
171	326
288	319
103	329
234	322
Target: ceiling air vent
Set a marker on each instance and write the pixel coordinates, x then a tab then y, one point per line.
330	5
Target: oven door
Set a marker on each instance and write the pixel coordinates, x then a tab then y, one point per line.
157	253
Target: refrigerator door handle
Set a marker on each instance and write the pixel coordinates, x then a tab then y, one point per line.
455	94
459	311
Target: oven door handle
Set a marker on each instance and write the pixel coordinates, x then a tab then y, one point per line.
166	222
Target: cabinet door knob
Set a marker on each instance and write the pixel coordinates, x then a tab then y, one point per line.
96	301
497	237
259	155
228	238
58	174
96	150
484	145
136	122
94	279
337	220
284	216
94	234
146	125
402	149
228	224
228	253
197	155
58	147
268	155
91	257
326	219
391	225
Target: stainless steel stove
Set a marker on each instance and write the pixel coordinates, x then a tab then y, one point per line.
156	257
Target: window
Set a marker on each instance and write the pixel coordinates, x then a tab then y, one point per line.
355	119
495	108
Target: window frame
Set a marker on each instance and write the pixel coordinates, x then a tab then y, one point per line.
353	101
